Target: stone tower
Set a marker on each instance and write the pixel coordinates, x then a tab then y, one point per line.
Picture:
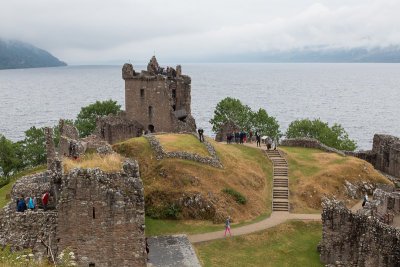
158	99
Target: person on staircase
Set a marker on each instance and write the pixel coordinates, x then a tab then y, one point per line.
275	143
268	143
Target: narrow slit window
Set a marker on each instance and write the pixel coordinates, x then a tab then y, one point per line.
141	93
150	112
94	213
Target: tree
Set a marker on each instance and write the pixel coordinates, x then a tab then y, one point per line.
244	117
230	108
10	156
267	125
34	147
86	119
334	136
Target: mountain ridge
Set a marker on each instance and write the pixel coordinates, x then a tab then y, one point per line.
15	54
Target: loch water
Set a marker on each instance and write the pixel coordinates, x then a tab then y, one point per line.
364	98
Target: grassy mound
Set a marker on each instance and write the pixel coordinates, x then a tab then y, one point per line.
182	142
289	244
168	181
314	173
107	163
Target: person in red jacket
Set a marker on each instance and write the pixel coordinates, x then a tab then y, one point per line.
45	200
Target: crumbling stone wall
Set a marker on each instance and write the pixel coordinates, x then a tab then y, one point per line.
29	229
310	143
117	128
228	126
161	103
101	216
356	239
160	153
385	154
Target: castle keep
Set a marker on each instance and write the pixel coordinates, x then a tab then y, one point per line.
158	99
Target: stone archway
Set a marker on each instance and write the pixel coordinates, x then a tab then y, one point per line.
151	128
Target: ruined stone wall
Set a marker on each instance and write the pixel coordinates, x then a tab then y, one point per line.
310	143
29	229
228	126
101	216
384	156
159	101
356	239
117	128
159	152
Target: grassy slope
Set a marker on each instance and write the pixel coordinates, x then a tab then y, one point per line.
7	188
245	169
314	173
289	244
182	142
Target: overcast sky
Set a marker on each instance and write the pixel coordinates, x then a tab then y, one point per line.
105	31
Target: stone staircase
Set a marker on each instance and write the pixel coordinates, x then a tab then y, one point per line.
280	191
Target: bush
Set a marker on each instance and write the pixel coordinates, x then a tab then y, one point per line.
169	211
238	196
334	136
4	180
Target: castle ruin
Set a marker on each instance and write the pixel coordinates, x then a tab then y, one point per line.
157	99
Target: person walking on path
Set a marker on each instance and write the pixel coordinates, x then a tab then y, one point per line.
227	228
275	143
268	143
45	200
21	205
365	199
32	203
258	137
147	250
228	137
251	136
236	137
201	137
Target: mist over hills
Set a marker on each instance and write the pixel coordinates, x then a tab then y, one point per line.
16	54
389	54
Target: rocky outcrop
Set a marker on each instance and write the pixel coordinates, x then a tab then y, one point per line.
310	143
356	239
160	153
228	127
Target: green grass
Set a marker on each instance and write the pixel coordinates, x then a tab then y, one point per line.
289	244
182	142
238	196
169	227
302	153
7	188
306	170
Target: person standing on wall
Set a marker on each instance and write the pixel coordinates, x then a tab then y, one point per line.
201	137
227	227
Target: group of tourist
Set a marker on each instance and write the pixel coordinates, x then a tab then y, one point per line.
21	204
161	70
240	137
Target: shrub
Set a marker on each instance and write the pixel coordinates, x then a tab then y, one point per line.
238	196
169	211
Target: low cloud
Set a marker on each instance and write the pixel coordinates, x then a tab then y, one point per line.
90	32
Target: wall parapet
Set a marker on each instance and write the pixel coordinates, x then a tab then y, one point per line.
161	154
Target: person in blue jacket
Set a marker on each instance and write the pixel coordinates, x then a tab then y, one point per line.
21	205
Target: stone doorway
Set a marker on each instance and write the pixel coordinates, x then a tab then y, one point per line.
151	128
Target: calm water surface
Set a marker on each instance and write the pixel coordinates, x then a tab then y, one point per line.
364	98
